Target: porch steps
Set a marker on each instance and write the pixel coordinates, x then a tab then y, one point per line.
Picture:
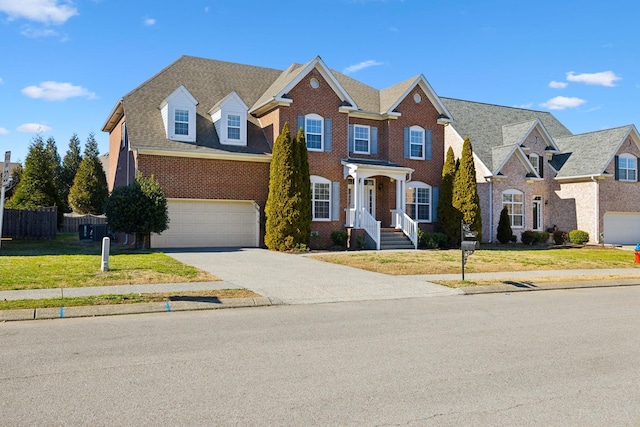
391	238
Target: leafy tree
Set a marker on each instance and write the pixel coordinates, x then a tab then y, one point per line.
504	226
465	191
303	184
89	190
16	174
36	187
282	202
139	208
448	216
70	164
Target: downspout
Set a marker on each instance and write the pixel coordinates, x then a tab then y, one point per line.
596	192
490	211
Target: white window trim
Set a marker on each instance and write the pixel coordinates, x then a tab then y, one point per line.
511	214
355	145
414	129
319	180
634	162
191	124
242	141
321	119
534	159
415	185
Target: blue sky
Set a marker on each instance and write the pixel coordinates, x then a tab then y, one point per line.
64	64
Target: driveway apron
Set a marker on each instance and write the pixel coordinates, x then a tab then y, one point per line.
297	279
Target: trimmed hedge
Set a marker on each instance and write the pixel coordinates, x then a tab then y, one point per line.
578	237
432	240
530	237
339	238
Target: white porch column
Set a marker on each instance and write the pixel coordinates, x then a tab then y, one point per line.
356	201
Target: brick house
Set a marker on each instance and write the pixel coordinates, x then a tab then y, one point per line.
529	162
205	129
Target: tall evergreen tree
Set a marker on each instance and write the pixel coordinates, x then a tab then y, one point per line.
36	188
465	190
282	201
504	226
303	183
89	191
448	216
70	164
56	166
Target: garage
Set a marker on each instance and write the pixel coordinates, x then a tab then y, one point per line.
622	228
210	223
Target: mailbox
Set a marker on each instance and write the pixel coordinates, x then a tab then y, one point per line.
469	245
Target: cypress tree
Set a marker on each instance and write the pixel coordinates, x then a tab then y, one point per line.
465	191
36	188
448	216
303	183
89	191
70	164
504	227
282	201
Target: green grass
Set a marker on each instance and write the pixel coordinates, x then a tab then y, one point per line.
125	299
487	259
67	262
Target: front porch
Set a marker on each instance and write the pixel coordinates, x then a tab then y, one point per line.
376	200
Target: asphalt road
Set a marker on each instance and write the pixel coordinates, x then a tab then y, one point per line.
556	358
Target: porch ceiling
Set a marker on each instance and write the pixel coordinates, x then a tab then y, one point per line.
366	169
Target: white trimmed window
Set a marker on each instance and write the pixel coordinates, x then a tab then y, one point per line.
178	112
627	168
361	139
416	143
535	162
320	198
313	132
181	122
418	201
233	127
513	200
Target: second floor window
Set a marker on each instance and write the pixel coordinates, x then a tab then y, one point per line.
361	139
416	142
627	168
181	121
233	126
313	132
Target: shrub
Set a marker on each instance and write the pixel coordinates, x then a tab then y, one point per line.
578	237
504	227
431	240
530	237
339	238
560	237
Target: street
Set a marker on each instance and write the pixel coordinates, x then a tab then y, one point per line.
569	358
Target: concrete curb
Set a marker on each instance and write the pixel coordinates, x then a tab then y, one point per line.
120	309
550	286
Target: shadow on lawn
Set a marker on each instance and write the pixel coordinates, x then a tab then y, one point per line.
525	285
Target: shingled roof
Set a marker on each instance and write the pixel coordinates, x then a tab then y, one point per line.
590	153
491	126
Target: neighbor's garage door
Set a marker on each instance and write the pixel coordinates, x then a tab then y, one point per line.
209	223
622	228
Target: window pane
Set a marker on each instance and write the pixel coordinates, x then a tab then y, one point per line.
423	195
314	126
182	115
423	212
411	211
314	141
416	137
321	210
362	145
233	121
233	133
322	191
182	129
411	195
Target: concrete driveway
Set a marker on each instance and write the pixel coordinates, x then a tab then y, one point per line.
297	279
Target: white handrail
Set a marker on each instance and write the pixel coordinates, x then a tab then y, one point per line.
371	226
409	227
350	217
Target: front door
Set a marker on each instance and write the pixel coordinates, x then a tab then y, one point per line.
370	196
537	213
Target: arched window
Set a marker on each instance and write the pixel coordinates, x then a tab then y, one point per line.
535	162
416	142
418	201
513	200
320	198
627	167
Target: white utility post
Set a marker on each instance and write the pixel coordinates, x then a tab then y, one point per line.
106	244
5	183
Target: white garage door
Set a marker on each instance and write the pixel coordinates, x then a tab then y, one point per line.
209	223
622	228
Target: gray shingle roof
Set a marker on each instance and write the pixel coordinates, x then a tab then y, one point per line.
591	152
484	123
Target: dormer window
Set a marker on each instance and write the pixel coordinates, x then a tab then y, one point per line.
179	115
229	117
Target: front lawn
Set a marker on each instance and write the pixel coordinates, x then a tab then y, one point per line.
483	261
68	262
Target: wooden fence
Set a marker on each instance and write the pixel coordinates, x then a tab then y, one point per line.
30	224
72	222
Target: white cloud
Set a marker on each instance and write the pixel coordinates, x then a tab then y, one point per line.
558	85
525	106
3	131
44	11
33	128
361	66
562	103
604	78
55	91
149	22
34	33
